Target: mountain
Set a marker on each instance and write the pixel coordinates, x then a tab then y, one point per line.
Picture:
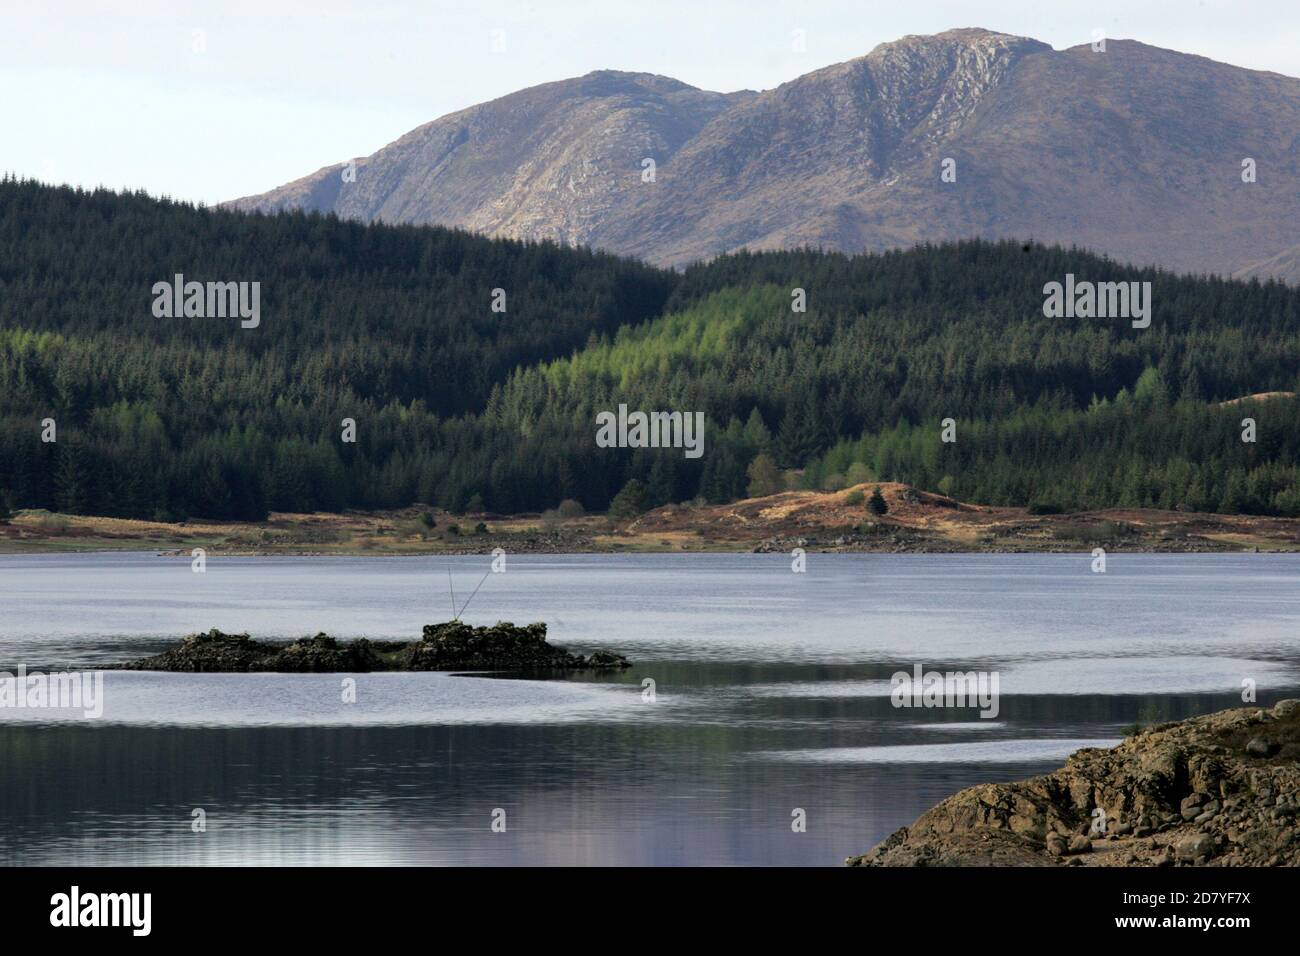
550	162
1285	266
1135	152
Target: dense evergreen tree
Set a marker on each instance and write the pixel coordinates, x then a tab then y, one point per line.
631	501
459	406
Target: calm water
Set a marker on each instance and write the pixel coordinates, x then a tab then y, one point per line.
771	695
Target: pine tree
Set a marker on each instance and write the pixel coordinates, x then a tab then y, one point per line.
876	504
764	477
799	436
73	483
631	501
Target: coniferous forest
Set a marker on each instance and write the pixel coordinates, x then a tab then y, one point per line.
465	407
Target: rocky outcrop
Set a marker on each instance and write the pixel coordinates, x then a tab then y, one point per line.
1219	790
442	647
456	646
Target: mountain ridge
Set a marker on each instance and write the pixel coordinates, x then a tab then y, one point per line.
1135	152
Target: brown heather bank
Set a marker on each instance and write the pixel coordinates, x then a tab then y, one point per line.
1219	790
916	522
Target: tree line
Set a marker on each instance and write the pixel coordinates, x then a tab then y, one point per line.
467	408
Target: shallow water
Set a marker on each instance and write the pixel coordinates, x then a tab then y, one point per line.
771	695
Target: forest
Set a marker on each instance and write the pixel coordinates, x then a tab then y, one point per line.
472	371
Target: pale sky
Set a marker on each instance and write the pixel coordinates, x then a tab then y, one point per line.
209	101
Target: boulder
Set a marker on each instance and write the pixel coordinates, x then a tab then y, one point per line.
1261	747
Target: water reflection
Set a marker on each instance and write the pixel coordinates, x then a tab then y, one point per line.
770	695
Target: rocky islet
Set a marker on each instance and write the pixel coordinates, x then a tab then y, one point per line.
452	645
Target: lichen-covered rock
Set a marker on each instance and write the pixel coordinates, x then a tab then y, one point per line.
1220	790
450	646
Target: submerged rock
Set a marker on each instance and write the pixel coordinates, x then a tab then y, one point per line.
443	647
1220	790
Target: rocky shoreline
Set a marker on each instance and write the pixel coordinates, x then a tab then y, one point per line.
450	646
1218	790
907	542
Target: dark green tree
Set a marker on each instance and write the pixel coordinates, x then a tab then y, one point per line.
876	504
631	501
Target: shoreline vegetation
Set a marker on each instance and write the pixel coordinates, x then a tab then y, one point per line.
901	519
450	646
1217	790
399	364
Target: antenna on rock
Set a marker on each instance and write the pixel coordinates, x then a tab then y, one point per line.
451	590
475	591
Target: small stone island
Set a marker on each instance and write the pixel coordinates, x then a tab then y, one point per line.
450	646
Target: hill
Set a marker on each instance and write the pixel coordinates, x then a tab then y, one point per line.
381	373
1136	152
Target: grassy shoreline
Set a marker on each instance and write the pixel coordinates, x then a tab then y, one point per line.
916	522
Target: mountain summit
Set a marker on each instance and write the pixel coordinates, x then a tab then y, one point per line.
1136	152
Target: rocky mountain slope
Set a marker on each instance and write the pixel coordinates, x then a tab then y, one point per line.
555	161
1222	790
1134	151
